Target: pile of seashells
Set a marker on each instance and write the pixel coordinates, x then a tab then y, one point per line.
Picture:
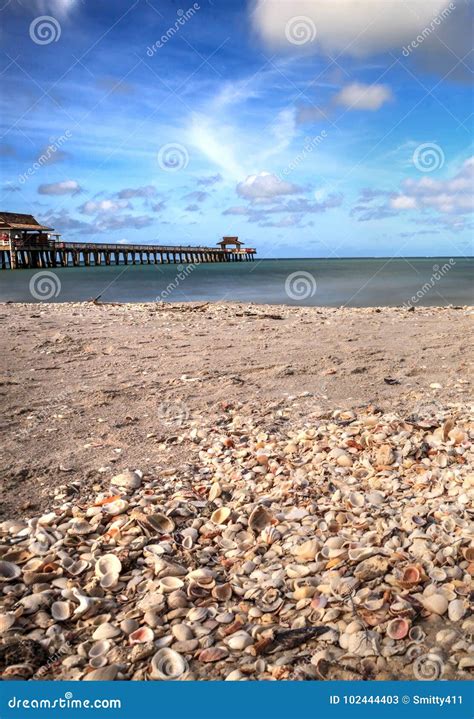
343	550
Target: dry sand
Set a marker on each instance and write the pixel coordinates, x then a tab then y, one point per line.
88	390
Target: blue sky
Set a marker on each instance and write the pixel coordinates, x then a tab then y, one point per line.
309	128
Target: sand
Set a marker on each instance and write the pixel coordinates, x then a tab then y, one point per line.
89	390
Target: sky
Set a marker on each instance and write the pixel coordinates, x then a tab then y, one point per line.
310	128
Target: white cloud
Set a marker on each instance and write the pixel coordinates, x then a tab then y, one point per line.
92	208
265	186
358	96
67	187
356	27
60	9
403	202
446	196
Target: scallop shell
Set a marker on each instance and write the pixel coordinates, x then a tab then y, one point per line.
167	665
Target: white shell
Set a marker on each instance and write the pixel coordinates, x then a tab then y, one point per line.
167	664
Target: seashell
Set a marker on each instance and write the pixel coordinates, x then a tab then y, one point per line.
79	527
167	664
141	635
161	523
100	648
213	654
103	674
239	640
307	551
435	603
220	515
456	610
182	632
468	553
105	631
398	628
118	506
269	535
170	584
214	492
411	576
97	662
187	543
416	634
356	499
222	592
128	626
60	611
260	518
127	480
9	571
6	622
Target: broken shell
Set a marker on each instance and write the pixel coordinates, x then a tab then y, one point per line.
435	603
6	622
9	571
215	491
60	611
167	664
307	551
222	592
220	515
259	518
398	628
161	522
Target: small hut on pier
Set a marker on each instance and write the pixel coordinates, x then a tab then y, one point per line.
22	230
232	243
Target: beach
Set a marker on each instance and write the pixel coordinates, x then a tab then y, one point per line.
197	394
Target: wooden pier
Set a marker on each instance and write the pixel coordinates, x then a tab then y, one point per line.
25	244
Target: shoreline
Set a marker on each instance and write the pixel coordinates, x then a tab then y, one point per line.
344	424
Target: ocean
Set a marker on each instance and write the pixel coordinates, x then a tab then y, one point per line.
310	282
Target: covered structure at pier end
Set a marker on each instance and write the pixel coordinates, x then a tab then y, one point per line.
22	229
